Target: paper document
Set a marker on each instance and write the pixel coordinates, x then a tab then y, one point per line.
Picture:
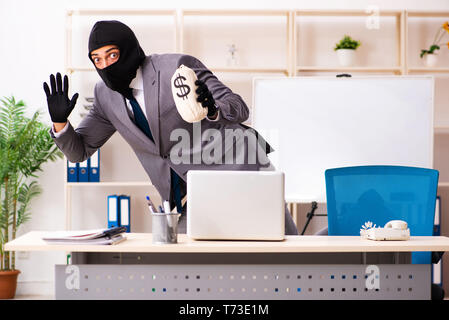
96	241
92	236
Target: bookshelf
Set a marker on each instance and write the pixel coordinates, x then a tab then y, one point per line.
439	71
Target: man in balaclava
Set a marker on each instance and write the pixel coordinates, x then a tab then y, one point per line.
135	99
119	75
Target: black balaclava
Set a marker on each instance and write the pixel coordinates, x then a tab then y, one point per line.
118	75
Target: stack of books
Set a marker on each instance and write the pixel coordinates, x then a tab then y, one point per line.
93	237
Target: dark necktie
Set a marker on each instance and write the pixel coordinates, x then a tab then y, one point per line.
142	123
140	119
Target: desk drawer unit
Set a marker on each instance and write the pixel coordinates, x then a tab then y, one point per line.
242	281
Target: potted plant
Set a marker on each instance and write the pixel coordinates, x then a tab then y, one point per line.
25	144
346	50
430	55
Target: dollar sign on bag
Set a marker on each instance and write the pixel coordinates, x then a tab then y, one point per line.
184	89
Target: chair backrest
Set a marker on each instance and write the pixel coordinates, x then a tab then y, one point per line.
379	194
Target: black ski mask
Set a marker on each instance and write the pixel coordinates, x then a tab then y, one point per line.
118	75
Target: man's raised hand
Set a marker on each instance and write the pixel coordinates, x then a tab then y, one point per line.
59	104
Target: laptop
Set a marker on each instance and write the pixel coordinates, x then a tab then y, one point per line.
235	205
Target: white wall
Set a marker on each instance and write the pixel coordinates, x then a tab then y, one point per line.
32	46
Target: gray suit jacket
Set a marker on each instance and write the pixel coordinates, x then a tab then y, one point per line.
109	115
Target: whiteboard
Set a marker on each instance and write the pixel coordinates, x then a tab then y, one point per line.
316	123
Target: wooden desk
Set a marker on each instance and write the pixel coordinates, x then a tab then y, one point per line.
300	267
142	242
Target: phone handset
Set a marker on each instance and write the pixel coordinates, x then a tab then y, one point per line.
396	224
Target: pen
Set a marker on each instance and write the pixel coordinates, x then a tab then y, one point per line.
169	217
167	206
160	209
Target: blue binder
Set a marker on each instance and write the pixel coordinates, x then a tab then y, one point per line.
72	171
94	167
113	211
125	214
83	172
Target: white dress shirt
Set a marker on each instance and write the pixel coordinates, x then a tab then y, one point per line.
137	86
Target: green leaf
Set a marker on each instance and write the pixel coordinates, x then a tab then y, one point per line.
26	193
433	48
25	145
347	43
423	52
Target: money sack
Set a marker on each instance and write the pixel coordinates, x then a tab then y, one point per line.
183	89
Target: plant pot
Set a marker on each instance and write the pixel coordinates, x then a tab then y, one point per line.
8	283
430	59
346	57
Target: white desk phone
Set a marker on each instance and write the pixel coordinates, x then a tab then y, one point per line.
393	230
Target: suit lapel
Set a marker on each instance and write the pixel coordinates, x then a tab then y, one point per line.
151	95
122	114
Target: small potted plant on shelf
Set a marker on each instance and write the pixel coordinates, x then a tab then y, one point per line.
346	50
430	55
25	144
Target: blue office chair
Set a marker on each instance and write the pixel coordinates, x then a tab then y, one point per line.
379	194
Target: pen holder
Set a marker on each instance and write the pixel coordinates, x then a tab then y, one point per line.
165	227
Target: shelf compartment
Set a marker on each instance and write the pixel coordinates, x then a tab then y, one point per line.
302	23
202	28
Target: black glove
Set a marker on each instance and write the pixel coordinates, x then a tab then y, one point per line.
205	98
59	104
